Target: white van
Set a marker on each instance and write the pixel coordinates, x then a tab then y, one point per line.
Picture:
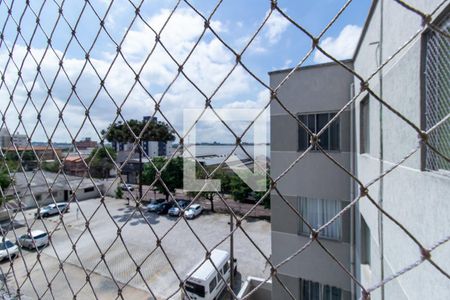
205	282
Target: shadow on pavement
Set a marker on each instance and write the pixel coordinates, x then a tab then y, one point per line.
236	288
135	217
6	226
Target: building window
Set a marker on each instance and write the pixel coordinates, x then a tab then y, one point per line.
364	126
88	190
318	212
437	95
365	243
329	139
315	291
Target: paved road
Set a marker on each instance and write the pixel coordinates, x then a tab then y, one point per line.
122	255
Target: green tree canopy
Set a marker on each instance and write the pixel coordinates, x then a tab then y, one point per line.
5	180
172	175
156	131
209	195
101	162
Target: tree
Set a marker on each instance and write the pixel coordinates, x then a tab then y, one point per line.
51	166
172	175
239	189
100	161
209	195
119	192
259	195
5	180
155	131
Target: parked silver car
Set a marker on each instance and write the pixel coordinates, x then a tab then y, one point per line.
36	239
52	209
175	211
8	250
155	205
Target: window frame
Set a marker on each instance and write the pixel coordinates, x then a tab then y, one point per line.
335	126
364	125
365	243
317	291
88	189
439	21
304	230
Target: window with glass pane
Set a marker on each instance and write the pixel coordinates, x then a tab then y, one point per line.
311	290
364	129
319	211
328	140
437	96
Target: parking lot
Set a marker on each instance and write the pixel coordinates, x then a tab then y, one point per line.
135	246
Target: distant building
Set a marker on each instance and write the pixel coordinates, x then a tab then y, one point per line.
5	138
87	143
43	153
150	148
61	189
74	165
19	140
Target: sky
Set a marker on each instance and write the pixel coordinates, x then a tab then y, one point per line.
62	116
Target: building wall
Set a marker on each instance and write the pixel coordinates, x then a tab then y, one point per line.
44	198
417	199
20	140
75	168
316	89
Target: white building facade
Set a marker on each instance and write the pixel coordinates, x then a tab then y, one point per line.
416	84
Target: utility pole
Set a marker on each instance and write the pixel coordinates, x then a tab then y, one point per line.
231	254
140	174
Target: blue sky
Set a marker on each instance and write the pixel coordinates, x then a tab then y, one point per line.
278	45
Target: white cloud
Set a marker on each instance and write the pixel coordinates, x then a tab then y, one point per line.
287	63
276	25
207	66
271	34
340	47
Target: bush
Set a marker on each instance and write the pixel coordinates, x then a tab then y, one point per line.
5	180
51	166
119	192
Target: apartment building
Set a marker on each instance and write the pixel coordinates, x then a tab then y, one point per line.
368	140
314	186
416	84
20	140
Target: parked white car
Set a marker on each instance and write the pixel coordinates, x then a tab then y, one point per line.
8	250
52	209
193	211
36	239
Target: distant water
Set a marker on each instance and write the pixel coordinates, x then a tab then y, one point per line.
223	150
